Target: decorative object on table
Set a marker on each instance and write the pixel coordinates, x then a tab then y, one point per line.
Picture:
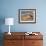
27	15
30	33
9	21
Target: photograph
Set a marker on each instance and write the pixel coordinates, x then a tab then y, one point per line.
27	15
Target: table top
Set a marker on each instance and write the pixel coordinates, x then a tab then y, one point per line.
22	35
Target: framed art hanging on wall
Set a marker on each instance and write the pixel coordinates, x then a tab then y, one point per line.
27	15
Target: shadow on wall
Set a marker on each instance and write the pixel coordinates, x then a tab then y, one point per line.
2	21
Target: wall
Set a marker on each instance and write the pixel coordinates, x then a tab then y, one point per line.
9	8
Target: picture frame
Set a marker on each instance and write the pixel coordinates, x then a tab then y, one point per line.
27	15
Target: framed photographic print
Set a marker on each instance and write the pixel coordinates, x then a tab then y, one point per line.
27	15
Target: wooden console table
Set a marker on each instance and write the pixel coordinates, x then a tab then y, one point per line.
20	39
